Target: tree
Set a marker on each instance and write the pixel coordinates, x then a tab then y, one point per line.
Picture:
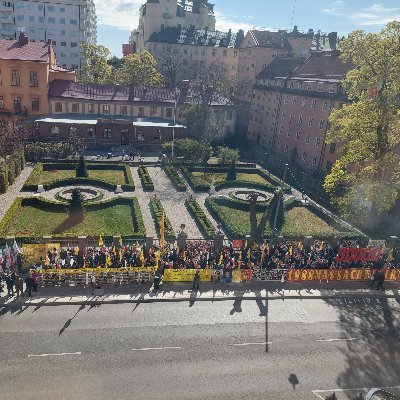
115	62
95	68
231	176
76	209
192	151
81	169
173	66
227	154
13	133
363	182
140	69
76	141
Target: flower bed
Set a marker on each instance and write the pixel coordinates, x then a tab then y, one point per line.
156	209
145	179
203	223
176	180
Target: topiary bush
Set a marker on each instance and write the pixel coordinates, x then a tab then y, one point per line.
176	180
81	169
3	178
232	172
145	179
203	223
156	209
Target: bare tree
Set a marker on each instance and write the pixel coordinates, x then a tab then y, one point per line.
13	133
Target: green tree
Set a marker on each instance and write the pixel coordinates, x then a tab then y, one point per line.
363	182
232	172
226	154
139	69
95	68
81	169
192	151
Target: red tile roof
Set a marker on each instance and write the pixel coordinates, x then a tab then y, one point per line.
31	51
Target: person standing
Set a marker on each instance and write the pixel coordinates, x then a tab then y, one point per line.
35	281
19	286
381	280
29	284
196	281
375	278
10	285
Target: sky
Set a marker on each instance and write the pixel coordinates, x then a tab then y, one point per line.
117	18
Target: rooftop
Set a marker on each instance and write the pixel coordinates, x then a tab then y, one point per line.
274	40
280	68
24	50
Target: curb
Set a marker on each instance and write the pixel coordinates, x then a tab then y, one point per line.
101	301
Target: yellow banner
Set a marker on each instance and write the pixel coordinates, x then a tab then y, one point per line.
33	252
236	275
186	275
72	271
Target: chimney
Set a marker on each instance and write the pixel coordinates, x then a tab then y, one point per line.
23	39
332	37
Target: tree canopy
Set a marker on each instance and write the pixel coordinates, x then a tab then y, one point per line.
95	68
364	180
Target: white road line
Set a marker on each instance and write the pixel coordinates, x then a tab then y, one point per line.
55	354
337	340
157	348
251	344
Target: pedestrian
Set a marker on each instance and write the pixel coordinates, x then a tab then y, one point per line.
10	285
29	284
35	281
381	280
196	281
374	279
19	286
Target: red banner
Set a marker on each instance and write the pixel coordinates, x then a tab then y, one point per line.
312	275
359	254
237	244
246	275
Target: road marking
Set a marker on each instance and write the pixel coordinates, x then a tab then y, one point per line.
157	348
337	340
55	354
251	344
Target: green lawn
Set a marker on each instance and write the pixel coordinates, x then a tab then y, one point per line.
206	177
299	222
113	177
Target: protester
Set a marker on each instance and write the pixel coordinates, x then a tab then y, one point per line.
19	286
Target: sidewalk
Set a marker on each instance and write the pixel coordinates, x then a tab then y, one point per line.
181	291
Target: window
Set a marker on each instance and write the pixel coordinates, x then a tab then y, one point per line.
62	32
62	9
314	160
168	112
90	108
63	44
320	87
291	118
123	110
40	7
58	106
31	18
297	135
291	85
33	80
62	21
300	120
283	114
303	102
35	104
73	22
289	132
285	99
50	8
141	112
332	88
153	111
325	106
54	131
106	109
332	148
318	143
304	156
51	20
75	107
107	133
310	121
140	136
74	44
17	104
90	133
294	100
313	103
15	78
1	78
299	85
321	124
158	135
20	17
1	103
307	139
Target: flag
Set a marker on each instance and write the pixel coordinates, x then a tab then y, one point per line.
100	241
248	254
262	255
389	257
245	244
300	246
162	228
120	241
321	247
267	248
1	256
17	250
184	255
220	260
142	256
108	260
157	255
120	253
290	251
76	250
113	250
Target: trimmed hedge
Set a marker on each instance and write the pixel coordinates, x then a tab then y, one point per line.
203	223
31	183
176	180
9	217
145	179
156	209
11	169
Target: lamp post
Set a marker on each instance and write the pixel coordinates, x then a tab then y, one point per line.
173	126
278	205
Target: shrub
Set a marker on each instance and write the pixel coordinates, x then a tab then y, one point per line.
39	151
176	180
11	171
3	178
232	172
76	204
192	151
203	223
145	179
156	211
10	215
81	169
227	154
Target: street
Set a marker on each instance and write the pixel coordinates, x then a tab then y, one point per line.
201	350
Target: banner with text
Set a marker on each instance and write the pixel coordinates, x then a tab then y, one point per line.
186	275
348	254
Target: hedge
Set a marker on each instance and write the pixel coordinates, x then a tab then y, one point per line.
156	209
9	217
203	223
11	169
31	183
145	179
176	180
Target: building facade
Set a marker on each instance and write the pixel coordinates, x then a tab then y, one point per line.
156	15
26	69
290	106
67	23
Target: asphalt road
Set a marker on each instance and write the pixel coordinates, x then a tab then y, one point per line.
200	350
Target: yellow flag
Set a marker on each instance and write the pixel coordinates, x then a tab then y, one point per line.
291	250
220	260
100	241
162	229
321	247
157	256
389	257
76	250
248	254
184	256
120	253
245	244
300	246
108	260
120	241
142	256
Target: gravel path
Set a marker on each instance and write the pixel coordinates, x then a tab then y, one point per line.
13	191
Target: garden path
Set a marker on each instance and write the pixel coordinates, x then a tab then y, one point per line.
13	191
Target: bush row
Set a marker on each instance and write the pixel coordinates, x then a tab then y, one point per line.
39	151
194	181
11	168
10	215
156	211
145	179
176	180
203	223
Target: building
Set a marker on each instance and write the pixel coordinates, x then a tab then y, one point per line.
178	50
26	69
128	49
67	23
291	103
119	115
156	15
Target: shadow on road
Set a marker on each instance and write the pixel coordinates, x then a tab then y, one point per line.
293	380
68	322
237	306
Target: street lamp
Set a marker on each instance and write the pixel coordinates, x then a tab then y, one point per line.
278	205
173	127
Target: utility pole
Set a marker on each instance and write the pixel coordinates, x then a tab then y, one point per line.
173	127
278	205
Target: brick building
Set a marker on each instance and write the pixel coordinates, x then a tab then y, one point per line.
26	69
290	106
